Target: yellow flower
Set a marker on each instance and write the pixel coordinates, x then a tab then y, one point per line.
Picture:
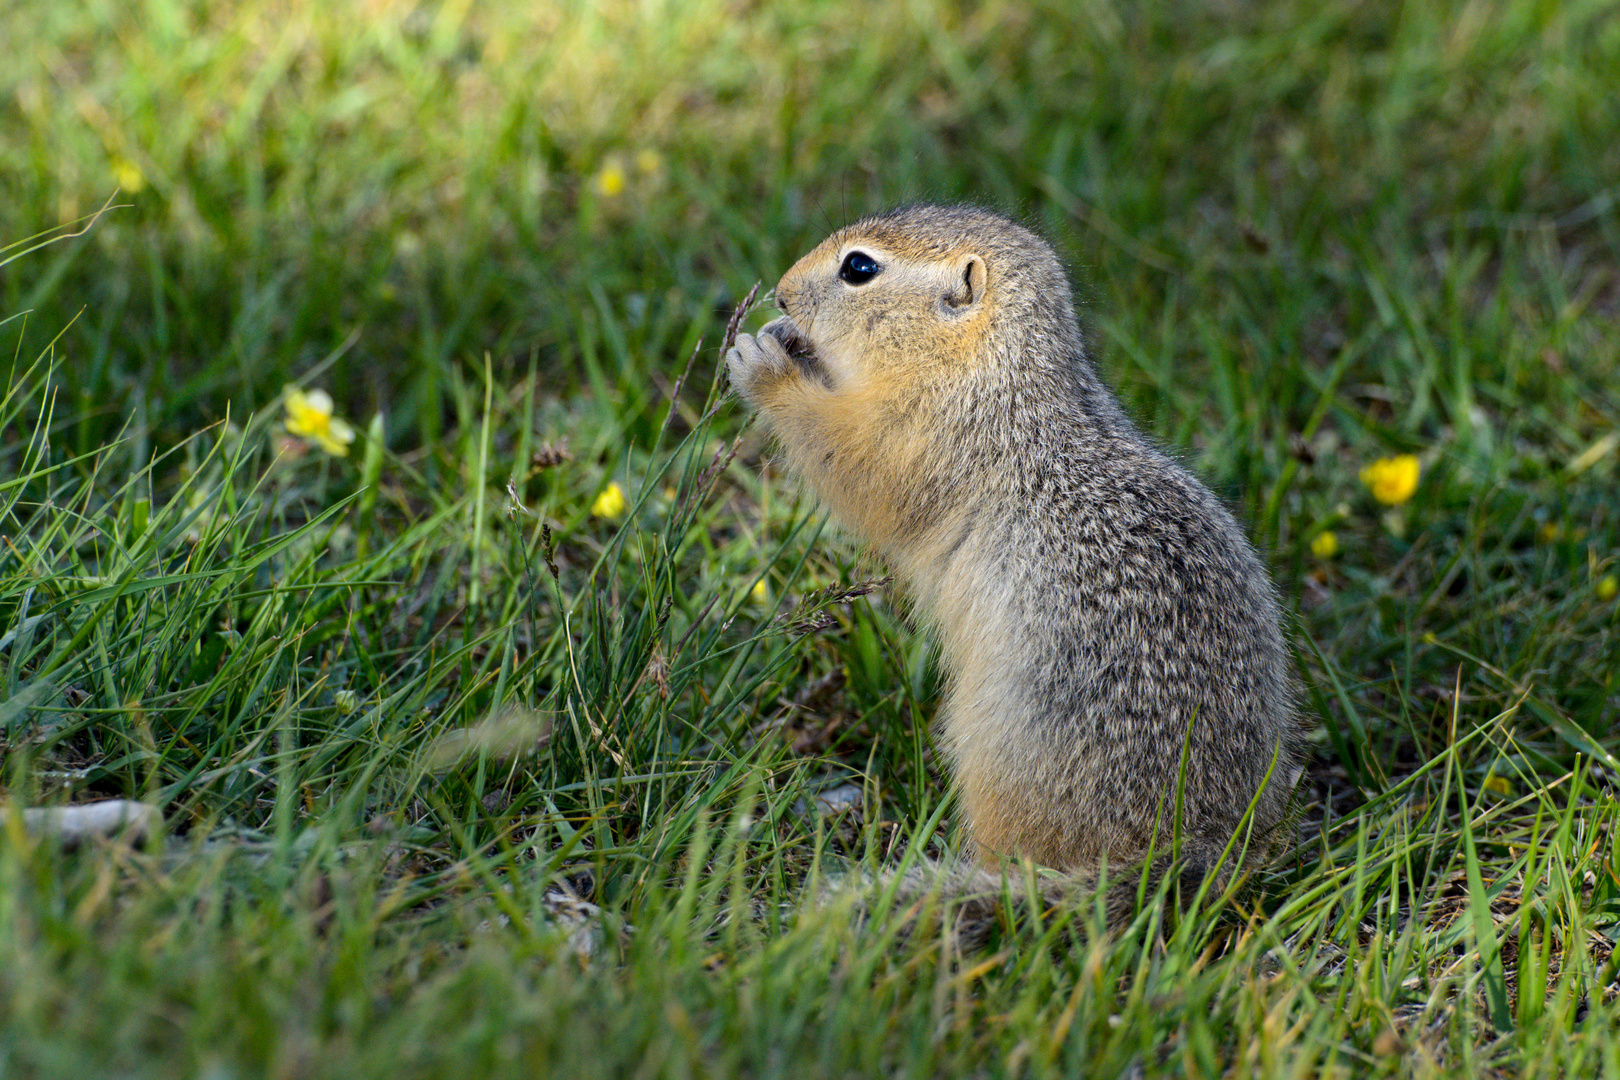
128	174
309	415
1325	545
610	180
609	504
759	592
1608	587
1392	479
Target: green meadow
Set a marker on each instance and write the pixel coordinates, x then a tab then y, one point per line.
532	732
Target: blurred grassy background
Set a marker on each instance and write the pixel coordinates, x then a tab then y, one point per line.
453	179
1304	235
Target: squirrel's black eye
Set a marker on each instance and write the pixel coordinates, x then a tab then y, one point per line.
859	268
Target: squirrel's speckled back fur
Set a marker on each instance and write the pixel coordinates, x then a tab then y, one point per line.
1098	609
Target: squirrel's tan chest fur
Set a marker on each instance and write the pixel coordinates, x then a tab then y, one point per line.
1100	614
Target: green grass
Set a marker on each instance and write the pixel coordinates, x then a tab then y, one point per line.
393	704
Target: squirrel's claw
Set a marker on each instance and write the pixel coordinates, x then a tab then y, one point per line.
754	361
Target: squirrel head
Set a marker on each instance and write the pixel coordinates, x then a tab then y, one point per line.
923	291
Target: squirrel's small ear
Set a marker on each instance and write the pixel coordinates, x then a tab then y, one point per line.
968	289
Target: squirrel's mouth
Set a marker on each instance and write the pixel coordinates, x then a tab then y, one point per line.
786	331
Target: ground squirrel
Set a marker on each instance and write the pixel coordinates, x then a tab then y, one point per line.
1097	609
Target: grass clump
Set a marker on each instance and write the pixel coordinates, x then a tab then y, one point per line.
467	766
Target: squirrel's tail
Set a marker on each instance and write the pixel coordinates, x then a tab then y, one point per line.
972	905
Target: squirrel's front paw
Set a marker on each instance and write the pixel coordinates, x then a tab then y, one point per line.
755	362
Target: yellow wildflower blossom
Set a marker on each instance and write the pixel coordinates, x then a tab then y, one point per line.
610	180
1608	587
759	593
611	503
309	416
1325	545
1392	479
128	175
